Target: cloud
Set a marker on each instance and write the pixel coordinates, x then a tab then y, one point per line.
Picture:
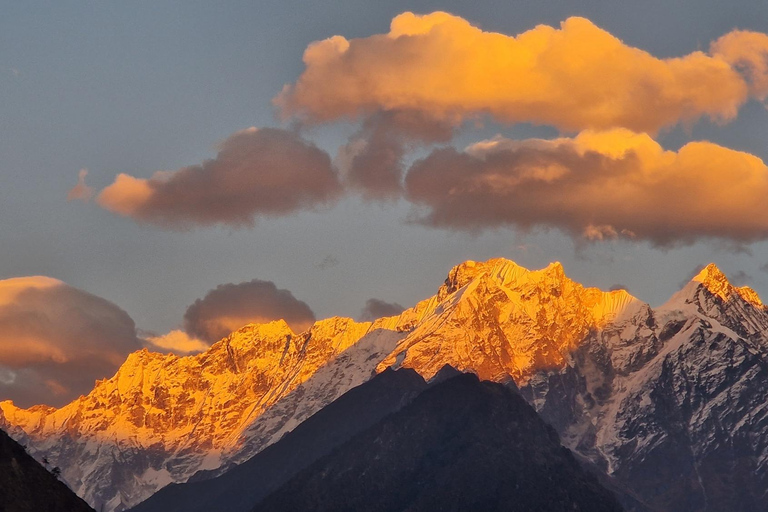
574	77
375	308
257	172
56	340
597	185
81	191
747	52
231	306
372	161
176	341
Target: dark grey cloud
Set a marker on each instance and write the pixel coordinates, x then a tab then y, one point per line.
257	172
56	340
231	306
376	308
372	160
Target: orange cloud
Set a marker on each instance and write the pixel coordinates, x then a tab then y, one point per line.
231	306
176	341
257	172
747	52
55	340
598	185
574	77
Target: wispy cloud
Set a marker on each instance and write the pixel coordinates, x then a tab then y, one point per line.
81	191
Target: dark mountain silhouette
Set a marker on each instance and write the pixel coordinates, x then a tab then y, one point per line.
461	445
244	485
26	486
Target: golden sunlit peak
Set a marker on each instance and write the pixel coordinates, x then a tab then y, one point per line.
717	283
750	295
710	273
714	281
272	329
554	268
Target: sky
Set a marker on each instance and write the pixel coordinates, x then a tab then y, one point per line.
338	158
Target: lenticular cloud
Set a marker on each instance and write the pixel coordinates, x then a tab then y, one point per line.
56	340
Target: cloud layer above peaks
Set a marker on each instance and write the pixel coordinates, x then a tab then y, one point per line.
434	75
574	77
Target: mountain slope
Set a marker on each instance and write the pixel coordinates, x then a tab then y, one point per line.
680	417
27	486
500	320
162	418
461	445
625	385
242	486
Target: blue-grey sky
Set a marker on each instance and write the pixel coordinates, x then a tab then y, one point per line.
136	87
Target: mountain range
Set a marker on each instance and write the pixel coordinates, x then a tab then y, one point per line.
666	403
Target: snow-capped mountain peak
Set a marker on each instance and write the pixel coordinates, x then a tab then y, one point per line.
618	379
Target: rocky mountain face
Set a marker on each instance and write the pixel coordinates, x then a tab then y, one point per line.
162	418
670	402
25	485
244	485
500	321
461	445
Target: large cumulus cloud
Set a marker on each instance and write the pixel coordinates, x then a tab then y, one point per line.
56	340
257	172
599	185
574	77
230	306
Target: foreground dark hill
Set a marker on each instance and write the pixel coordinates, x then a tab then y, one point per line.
243	486
26	486
461	445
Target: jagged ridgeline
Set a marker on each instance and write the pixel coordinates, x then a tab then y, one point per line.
669	402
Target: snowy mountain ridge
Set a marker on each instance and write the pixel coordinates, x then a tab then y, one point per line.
624	384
